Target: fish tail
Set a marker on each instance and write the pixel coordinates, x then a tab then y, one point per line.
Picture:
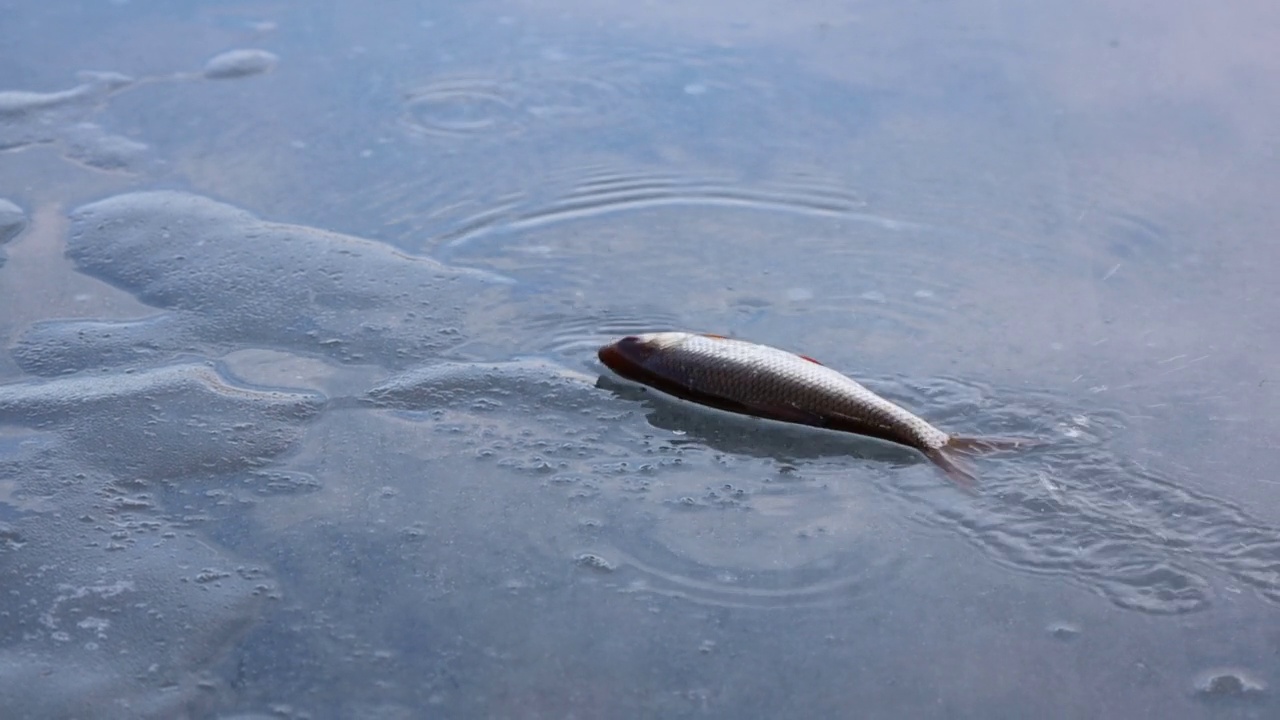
951	463
950	455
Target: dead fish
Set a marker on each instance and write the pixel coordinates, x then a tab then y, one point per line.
767	382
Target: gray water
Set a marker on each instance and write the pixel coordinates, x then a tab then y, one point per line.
300	414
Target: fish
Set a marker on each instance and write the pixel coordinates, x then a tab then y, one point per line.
767	382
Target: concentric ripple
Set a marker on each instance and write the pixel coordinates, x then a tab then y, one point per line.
604	192
707	248
662	556
458	107
483	106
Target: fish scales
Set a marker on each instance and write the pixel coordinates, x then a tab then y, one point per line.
764	377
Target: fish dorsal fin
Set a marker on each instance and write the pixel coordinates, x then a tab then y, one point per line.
806	357
715	337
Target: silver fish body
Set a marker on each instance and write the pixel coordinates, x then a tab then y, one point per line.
767	382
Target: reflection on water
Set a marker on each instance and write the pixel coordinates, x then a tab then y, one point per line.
451	508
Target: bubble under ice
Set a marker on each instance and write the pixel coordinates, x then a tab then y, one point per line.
111	594
230	280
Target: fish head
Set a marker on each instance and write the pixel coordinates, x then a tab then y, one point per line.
635	350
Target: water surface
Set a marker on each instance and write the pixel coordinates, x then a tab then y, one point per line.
300	414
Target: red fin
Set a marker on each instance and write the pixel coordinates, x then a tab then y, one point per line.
717	337
806	357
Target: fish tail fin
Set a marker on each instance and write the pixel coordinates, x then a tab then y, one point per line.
950	461
950	455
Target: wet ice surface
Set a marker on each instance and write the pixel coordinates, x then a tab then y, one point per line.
118	606
230	279
307	421
32	118
89	144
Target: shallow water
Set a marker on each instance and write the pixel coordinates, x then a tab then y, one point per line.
300	414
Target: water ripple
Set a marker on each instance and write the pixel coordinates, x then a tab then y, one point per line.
830	580
700	243
1078	507
485	106
607	193
559	333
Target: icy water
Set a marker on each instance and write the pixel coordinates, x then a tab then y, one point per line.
300	415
